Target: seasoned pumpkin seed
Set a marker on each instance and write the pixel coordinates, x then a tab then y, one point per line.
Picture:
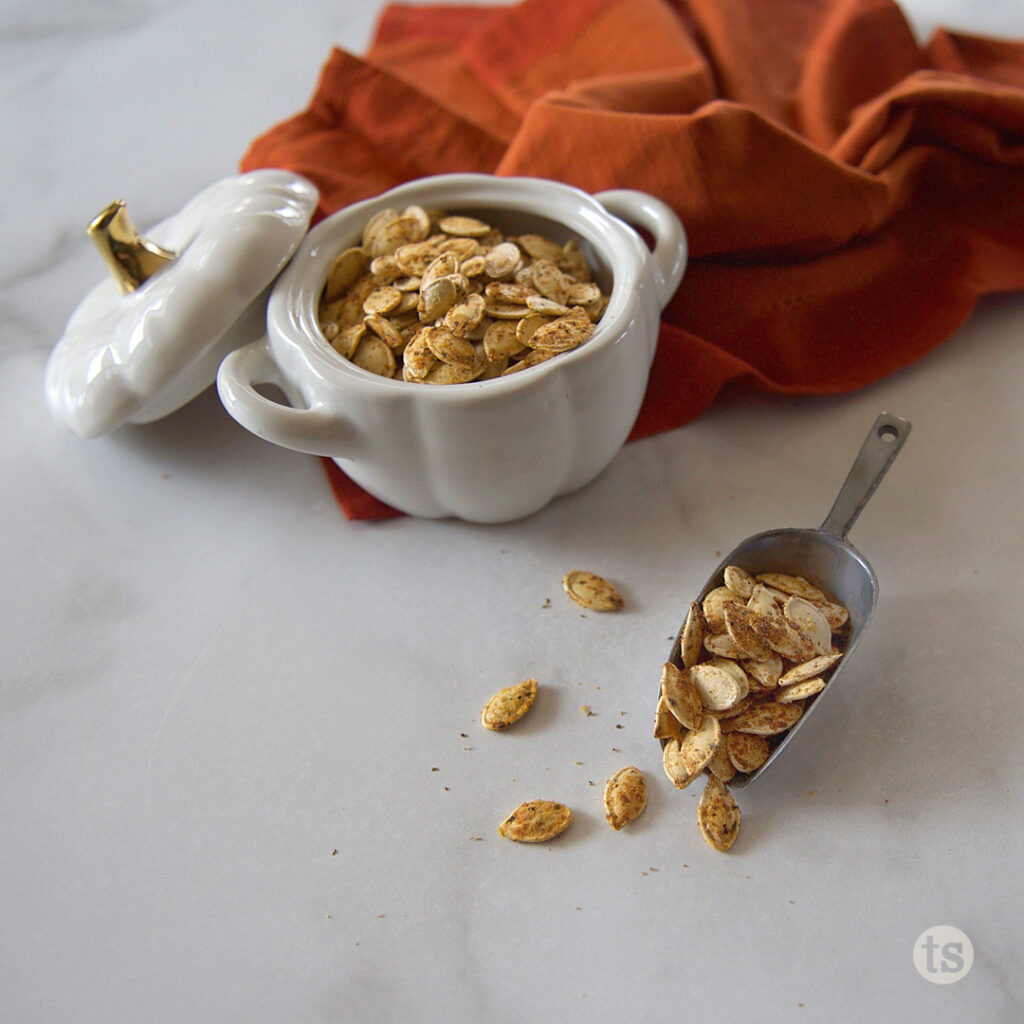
591	591
718	689
625	797
691	636
536	821
509	705
698	746
767	719
718	815
680	695
800	691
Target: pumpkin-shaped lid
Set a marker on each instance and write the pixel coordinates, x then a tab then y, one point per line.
146	341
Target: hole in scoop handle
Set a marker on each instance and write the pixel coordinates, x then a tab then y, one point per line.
885	438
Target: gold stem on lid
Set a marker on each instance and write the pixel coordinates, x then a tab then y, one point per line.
130	257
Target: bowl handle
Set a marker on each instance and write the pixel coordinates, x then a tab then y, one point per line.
670	248
311	430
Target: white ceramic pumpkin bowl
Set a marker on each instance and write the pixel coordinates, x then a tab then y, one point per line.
486	451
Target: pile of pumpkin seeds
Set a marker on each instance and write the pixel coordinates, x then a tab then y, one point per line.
438	298
751	654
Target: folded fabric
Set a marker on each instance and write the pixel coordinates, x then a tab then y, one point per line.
848	194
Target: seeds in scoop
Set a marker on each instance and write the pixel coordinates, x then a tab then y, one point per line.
591	591
746	751
717	688
806	617
742	625
809	669
767	719
720	766
691	636
785	638
509	705
720	645
735	669
698	746
739	581
766	672
680	695
672	762
761	601
718	815
795	585
835	614
753	652
536	821
800	691
666	725
714	605
625	797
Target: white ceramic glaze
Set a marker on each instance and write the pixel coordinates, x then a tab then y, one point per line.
138	357
487	451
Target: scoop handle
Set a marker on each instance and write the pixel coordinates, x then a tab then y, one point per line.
886	437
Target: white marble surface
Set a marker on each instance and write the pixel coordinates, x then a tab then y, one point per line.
222	706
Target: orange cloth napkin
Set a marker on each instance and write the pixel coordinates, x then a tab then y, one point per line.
847	194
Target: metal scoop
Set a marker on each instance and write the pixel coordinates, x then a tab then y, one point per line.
824	557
